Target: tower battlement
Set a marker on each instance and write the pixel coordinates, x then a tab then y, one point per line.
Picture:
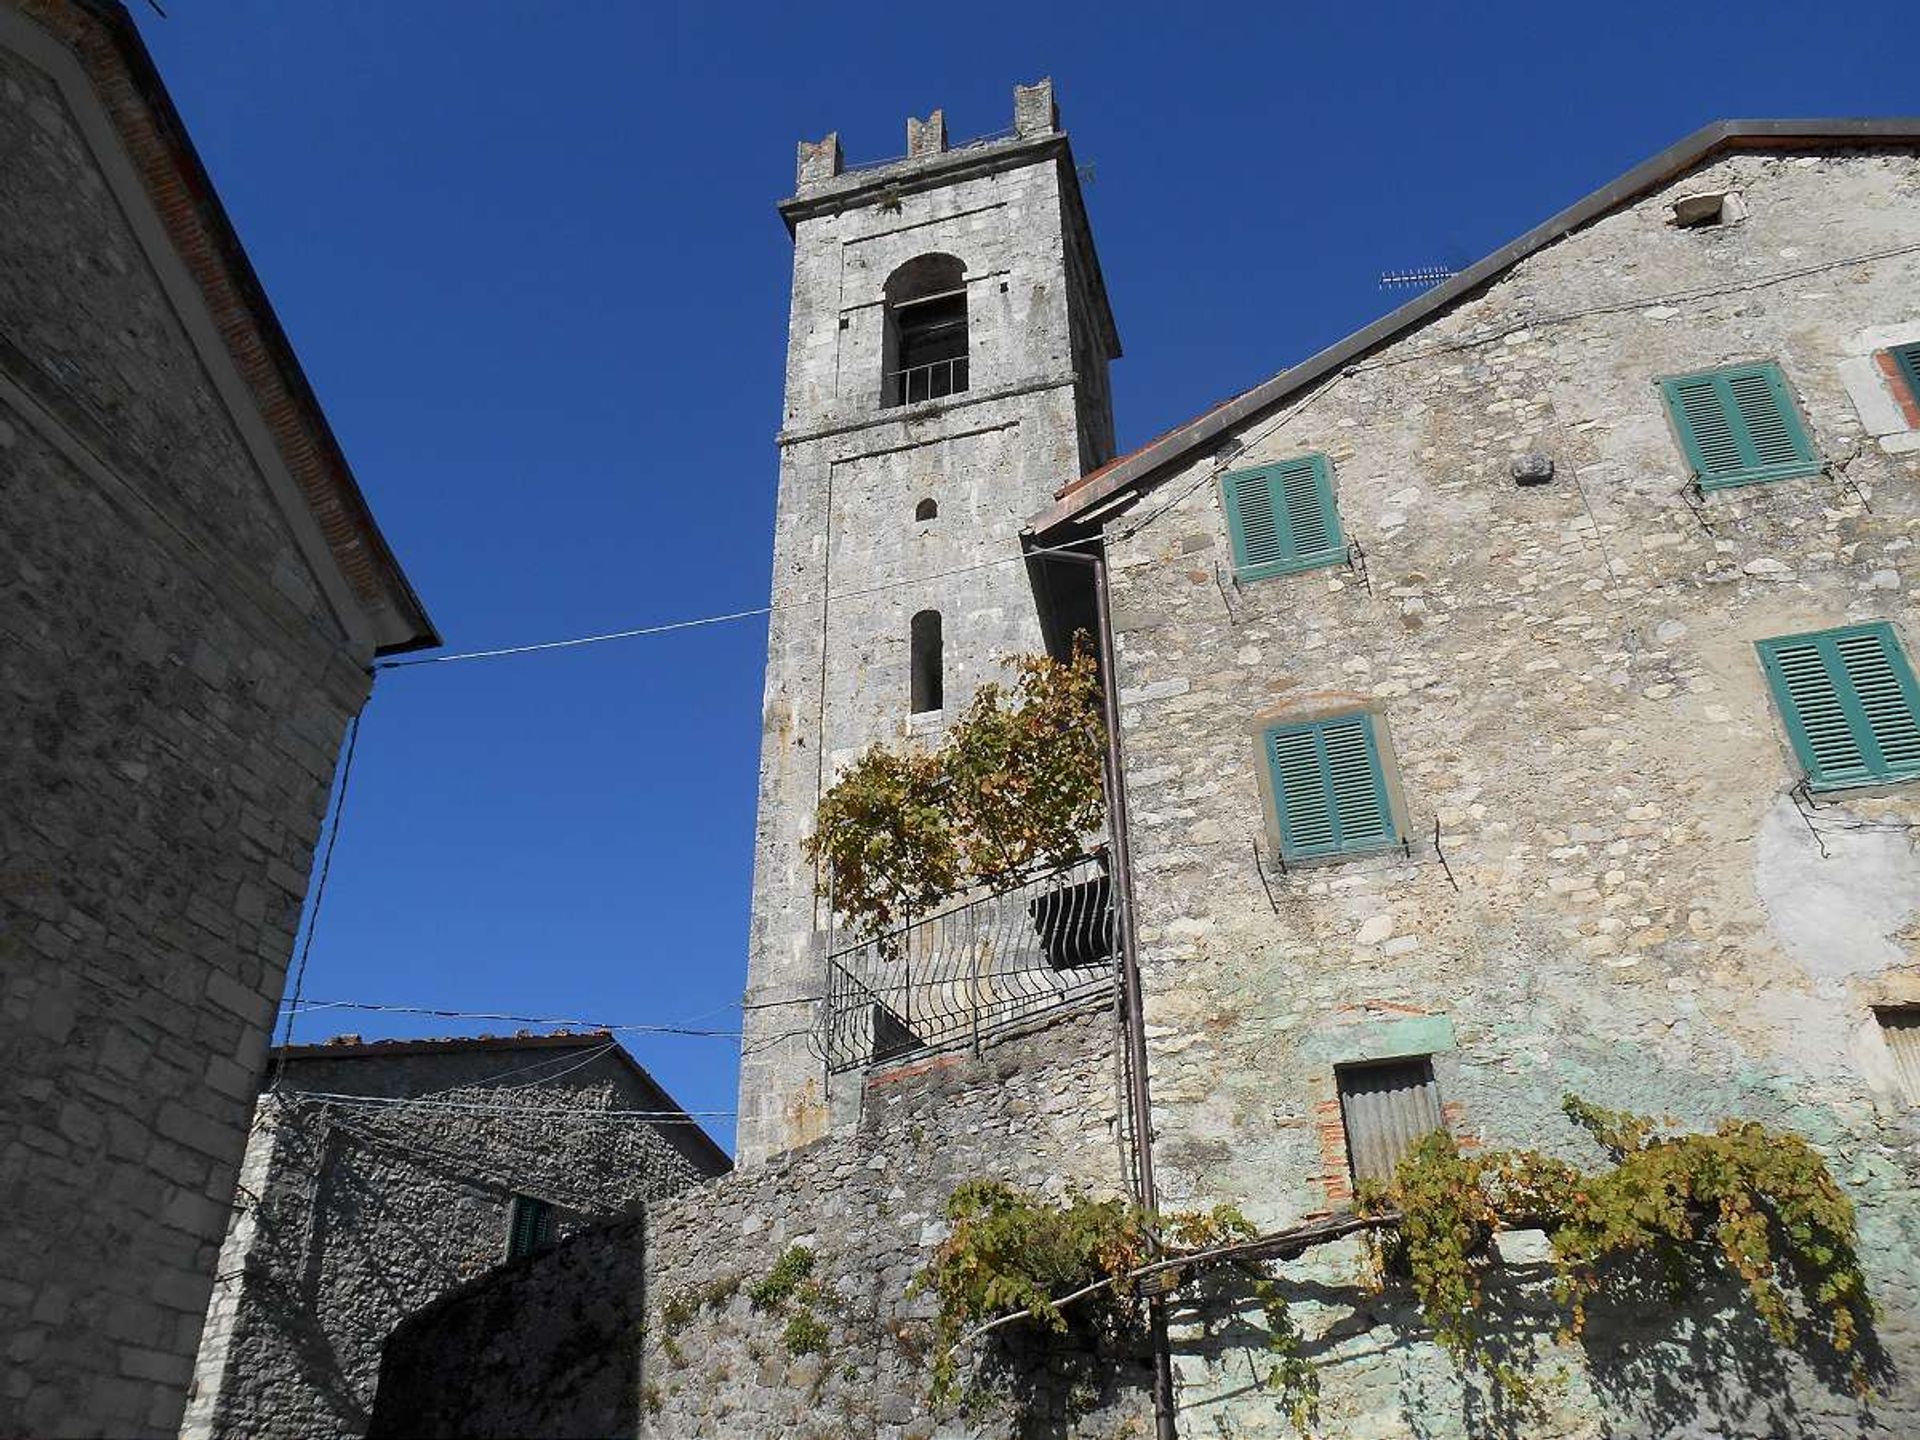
821	165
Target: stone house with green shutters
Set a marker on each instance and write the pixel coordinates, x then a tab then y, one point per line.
1519	698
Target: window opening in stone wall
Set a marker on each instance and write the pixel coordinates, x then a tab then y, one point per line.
529	1226
1739	426
927	509
1386	1110
1850	703
1328	784
1281	519
1075	924
925	347
1900	1027
925	646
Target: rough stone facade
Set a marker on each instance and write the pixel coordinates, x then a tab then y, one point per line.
353	1213
183	638
649	1327
1622	897
849	551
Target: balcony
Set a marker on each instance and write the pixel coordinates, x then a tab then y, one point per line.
933	381
958	976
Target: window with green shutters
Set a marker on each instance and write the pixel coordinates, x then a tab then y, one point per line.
1906	359
1739	426
1329	787
529	1226
1281	518
1850	704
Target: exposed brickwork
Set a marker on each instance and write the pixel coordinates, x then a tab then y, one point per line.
1898	387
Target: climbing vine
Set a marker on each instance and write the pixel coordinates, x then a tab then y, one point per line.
1760	1201
1016	782
1011	1254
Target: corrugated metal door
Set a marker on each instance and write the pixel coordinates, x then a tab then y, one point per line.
1902	1029
1386	1108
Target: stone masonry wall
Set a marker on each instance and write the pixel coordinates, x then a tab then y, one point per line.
176	691
647	1327
365	1212
851	477
1643	914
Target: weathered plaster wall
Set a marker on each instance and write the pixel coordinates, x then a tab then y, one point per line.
851	477
1568	675
353	1216
175	691
587	1339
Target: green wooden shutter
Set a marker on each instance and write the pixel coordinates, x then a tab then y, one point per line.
1907	359
1850	703
1739	426
529	1226
1329	791
1281	518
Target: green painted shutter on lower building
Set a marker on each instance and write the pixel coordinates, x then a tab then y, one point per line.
1850	703
529	1226
1281	518
1739	426
1329	788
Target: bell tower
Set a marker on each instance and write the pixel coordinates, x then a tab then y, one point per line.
947	363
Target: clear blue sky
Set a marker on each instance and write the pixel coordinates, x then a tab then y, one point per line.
529	257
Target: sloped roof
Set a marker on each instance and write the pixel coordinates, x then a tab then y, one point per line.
102	38
1120	482
711	1157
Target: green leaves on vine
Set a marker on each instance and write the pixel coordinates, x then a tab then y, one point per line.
1016	782
1764	1199
1760	1200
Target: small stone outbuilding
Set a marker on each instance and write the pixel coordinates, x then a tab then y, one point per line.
380	1176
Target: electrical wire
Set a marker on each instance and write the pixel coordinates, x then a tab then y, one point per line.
636	1028
427	1103
806	602
320	883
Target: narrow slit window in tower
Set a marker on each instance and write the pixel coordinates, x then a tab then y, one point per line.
927	509
925	648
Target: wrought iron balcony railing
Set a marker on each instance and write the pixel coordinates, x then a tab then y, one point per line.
932	381
960	974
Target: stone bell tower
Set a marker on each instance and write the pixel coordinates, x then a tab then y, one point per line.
946	373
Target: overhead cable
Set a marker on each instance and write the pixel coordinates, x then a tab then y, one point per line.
635	1028
804	603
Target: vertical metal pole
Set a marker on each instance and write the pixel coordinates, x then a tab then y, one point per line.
1136	1032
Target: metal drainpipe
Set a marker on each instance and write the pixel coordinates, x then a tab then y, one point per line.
1136	1031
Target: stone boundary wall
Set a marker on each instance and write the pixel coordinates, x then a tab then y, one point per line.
649	1327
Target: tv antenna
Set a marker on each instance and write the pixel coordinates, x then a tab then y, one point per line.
1421	277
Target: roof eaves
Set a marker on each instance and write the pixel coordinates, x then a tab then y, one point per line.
1136	471
410	628
716	1159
